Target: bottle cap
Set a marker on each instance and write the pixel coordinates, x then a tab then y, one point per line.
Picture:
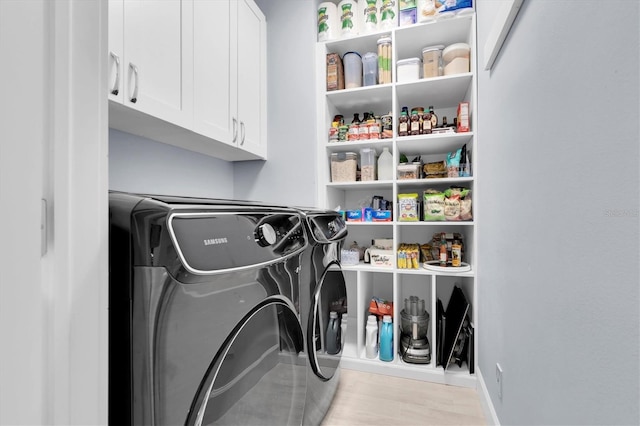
333	314
372	320
386	318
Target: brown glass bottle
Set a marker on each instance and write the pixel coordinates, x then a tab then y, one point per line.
434	118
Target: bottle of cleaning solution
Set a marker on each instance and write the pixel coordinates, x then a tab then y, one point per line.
385	165
386	339
333	334
343	329
371	340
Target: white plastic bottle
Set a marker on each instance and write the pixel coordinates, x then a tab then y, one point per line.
371	341
385	165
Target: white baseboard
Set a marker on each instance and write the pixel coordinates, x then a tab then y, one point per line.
487	406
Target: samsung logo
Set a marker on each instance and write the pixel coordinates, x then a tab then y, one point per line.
214	241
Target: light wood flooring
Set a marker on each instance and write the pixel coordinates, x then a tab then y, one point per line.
373	399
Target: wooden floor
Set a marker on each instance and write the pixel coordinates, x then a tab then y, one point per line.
373	399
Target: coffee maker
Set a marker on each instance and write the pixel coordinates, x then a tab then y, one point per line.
414	343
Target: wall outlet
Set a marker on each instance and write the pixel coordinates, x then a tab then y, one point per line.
499	380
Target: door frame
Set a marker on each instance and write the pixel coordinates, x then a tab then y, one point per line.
56	291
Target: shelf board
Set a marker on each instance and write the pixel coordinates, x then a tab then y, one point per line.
376	98
438	181
347	146
436	91
368	268
374	184
433	144
438	223
354	223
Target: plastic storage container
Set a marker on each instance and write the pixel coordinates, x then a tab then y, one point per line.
432	61
456	58
333	334
386	339
385	165
370	69
409	171
367	164
343	166
371	331
408	70
352	63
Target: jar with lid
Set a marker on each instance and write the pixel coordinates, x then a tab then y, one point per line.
427	127
432	61
403	124
415	123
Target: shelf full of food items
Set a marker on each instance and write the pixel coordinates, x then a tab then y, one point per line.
396	144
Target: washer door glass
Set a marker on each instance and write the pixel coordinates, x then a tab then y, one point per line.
324	333
256	377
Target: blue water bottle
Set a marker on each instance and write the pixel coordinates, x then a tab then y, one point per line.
386	339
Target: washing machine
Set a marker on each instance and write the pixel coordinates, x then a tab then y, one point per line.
204	312
322	290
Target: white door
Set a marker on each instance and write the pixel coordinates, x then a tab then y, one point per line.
214	70
252	73
156	38
116	50
24	126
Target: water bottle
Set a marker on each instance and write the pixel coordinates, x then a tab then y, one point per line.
371	331
333	334
386	339
385	165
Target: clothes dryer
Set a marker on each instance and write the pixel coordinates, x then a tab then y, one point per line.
204	312
322	290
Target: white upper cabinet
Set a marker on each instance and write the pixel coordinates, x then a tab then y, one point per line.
230	73
252	83
155	36
176	74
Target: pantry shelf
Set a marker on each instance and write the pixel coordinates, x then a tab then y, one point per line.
439	91
377	98
435	143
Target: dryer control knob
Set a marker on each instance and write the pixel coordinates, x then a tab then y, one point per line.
265	235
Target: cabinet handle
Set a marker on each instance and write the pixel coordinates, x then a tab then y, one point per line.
235	130
116	85
134	98
242	132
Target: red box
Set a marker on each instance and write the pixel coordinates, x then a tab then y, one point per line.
463	117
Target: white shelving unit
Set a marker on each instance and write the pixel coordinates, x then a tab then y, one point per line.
363	280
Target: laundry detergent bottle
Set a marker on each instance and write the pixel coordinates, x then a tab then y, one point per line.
333	334
371	337
386	339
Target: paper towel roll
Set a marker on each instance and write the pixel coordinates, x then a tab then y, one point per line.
328	21
388	14
349	13
370	16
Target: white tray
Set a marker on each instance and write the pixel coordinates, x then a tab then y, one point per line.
434	265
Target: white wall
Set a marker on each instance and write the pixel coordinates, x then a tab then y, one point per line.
288	176
558	225
142	165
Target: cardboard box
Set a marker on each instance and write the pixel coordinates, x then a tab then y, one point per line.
381	216
354	215
381	258
463	117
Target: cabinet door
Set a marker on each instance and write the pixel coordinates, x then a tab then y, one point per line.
214	72
252	71
116	50
156	40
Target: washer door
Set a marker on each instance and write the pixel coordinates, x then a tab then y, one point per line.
256	377
330	294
